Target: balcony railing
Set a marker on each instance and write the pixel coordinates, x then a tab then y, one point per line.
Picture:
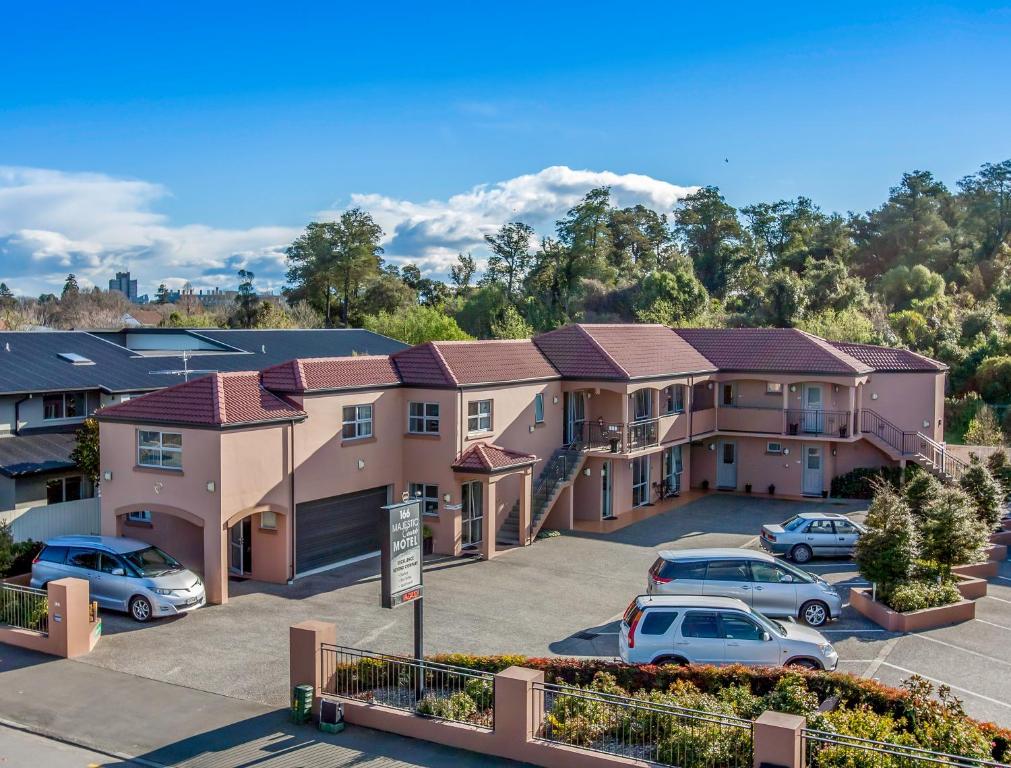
807	421
643	434
618	436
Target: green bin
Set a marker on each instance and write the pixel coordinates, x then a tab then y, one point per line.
301	703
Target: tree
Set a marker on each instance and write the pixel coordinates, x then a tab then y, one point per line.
781	301
709	233
983	428
510	258
162	295
951	533
901	286
247	305
993	379
86	454
484	306
7	300
303	315
511	325
462	272
841	325
919	491
388	293
676	296
70	287
270	314
987	196
1000	468
641	240
415	325
887	550
985	492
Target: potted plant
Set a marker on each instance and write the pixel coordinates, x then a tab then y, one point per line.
842	430
824	494
747	487
772	489
704	485
427	545
794	428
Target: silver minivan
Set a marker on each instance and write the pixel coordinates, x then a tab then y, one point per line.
123	574
762	582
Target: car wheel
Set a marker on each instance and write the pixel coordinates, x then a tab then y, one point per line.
814	613
140	609
804	664
677	661
801	553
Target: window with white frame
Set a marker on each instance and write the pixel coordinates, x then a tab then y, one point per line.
268	520
672	466
423	418
673	399
773	388
773	447
140	516
643	404
63	489
428	494
479	416
159	449
357	422
640	481
64	405
539	408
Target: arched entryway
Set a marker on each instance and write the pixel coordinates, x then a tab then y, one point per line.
258	544
177	531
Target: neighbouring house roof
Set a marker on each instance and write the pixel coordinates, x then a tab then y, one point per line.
469	363
30	362
327	374
620	352
31	454
215	400
489	459
889	359
150	317
771	350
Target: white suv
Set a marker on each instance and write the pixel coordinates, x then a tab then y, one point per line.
662	629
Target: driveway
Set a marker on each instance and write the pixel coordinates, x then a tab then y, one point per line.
561	596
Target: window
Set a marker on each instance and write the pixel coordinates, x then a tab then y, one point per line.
643	408
479	416
140	516
820	526
429	496
160	449
472	514
657	622
83	558
845	527
539	408
63	489
773	447
698	624
357	422
110	563
739	628
728	570
640	481
727	395
423	418
53	554
268	520
673	399
773	388
672	466
769	573
64	405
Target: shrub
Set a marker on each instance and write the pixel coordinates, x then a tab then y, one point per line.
459	706
6	548
482	692
919	491
860	483
862	723
24	553
1000	468
888	549
951	534
986	493
792	695
917	595
984	429
939	722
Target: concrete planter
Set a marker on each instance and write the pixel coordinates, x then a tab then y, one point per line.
970	587
913	621
22	580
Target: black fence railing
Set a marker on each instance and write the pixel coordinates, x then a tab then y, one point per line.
643	434
812	421
639	729
414	685
826	748
24	608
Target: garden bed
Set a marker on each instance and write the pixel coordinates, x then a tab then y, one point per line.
911	621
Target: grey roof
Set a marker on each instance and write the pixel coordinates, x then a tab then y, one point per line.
32	363
30	454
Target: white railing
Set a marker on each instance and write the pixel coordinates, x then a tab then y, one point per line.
48	520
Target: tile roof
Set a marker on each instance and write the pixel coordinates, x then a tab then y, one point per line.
216	400
620	351
771	350
463	363
485	458
331	373
30	454
888	358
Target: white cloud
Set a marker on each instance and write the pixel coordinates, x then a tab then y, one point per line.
54	222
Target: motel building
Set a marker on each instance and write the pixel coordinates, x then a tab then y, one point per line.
280	473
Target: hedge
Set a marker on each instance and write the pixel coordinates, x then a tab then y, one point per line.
859	483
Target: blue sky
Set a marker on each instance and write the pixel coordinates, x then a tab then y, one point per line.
187	140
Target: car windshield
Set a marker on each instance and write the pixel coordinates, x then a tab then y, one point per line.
151	561
793	523
770	624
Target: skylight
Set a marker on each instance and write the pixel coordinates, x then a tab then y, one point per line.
74	359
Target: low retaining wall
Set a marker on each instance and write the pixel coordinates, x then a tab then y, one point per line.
913	621
970	587
73	628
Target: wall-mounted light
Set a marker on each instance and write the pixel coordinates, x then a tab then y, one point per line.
210	487
712	446
405	496
835	387
874	396
555	399
834	451
446	497
793	387
786	451
531	429
709	385
587	472
107	475
926	423
361	463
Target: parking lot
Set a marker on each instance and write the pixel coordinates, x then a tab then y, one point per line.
561	596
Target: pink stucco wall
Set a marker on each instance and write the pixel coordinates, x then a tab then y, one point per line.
908	400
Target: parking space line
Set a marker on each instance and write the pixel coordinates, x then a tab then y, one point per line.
998	599
966	691
883	654
1004	578
964	650
826	631
999	626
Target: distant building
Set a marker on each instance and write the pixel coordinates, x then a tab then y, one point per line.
124	285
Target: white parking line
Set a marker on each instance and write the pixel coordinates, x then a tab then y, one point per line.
826	631
994	659
999	626
998	599
1004	578
966	691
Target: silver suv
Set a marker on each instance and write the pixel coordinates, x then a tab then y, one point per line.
123	574
716	630
762	582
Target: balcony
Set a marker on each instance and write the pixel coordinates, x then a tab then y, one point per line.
816	422
775	421
751	419
617	436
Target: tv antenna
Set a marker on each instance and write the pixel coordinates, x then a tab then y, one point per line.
185	371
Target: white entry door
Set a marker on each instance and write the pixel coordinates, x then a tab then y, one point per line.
726	464
814	404
812	485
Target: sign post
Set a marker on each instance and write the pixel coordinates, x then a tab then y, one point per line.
402	580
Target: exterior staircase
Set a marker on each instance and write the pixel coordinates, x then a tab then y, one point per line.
558	473
911	446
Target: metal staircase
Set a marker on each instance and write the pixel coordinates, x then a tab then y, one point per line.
559	472
913	446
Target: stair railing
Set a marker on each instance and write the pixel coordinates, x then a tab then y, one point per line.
912	444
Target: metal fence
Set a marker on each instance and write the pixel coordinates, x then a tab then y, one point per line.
824	748
640	729
24	608
414	685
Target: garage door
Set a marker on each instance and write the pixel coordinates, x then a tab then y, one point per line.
337	528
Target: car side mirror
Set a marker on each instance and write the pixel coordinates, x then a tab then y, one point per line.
766	637
118	572
788	578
